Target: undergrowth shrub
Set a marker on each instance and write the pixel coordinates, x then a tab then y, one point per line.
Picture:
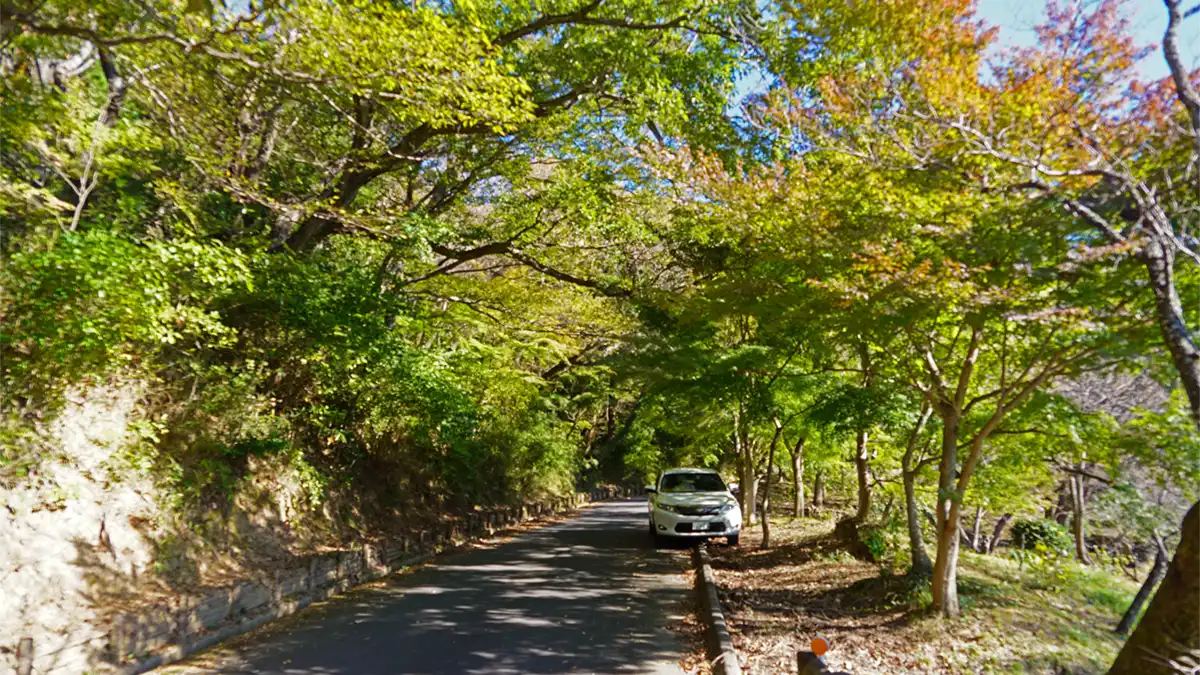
1030	533
84	305
874	538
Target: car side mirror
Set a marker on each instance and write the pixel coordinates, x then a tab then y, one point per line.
735	489
650	490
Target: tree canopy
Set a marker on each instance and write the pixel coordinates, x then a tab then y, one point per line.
442	254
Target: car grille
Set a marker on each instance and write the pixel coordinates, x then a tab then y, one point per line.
698	510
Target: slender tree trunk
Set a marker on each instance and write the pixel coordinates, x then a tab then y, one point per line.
863	469
751	513
766	510
976	545
1157	572
922	566
765	516
819	489
749	482
1079	518
998	531
798	478
953	481
945	566
862	457
1171	624
741	464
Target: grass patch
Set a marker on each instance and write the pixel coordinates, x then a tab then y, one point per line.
1112	600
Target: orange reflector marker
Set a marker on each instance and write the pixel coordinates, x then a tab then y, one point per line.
820	645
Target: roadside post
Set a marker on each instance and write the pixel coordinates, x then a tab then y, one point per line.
811	662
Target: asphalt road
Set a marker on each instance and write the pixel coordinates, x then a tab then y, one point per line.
588	595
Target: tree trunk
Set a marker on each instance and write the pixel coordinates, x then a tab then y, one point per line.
1079	517
819	489
998	531
1157	572
976	545
862	468
798	478
743	486
921	566
749	490
741	471
1171	624
945	567
1173	621
1159	259
765	516
766	509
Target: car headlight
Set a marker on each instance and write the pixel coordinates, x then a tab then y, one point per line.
727	507
668	507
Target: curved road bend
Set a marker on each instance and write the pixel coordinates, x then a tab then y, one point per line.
588	595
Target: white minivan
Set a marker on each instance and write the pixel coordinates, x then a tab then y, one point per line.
693	504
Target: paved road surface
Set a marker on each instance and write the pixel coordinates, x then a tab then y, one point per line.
588	595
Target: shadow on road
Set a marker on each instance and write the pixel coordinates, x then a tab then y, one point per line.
589	595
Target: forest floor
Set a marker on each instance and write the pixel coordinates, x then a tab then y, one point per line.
1017	618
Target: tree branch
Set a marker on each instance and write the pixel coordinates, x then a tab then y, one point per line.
964	375
580	17
1179	73
1079	471
506	248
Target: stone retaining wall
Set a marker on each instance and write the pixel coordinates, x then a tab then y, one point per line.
137	642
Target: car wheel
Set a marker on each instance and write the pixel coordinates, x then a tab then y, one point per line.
733	539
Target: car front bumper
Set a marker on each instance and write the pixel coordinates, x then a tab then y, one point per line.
668	524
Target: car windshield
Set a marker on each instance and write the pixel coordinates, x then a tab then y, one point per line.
692	482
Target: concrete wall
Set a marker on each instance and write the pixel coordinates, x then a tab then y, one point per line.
135	642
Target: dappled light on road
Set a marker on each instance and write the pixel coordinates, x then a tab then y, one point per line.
586	595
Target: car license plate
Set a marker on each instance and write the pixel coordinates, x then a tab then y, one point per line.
710	526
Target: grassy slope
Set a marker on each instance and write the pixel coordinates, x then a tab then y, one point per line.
1016	619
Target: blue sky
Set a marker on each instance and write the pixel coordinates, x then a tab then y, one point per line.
1016	19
